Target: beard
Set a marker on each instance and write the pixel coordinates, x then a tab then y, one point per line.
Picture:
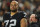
14	10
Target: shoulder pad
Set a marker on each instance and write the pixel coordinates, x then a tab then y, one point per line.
21	12
7	13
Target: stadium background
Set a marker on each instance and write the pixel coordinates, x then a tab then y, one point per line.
28	6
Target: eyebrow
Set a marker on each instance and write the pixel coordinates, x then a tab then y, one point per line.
10	4
13	5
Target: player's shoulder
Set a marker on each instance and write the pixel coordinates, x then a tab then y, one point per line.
7	13
22	12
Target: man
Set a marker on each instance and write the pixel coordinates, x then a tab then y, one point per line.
14	18
34	21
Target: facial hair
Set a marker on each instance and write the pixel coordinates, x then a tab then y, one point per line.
14	10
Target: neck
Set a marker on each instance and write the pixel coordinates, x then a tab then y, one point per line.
12	13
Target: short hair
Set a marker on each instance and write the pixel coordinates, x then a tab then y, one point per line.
15	2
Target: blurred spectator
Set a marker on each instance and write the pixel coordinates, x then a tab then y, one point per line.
1	17
34	21
22	8
33	6
27	7
1	12
19	1
0	4
8	5
23	1
4	5
37	9
37	1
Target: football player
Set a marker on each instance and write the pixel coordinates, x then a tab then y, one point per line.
14	18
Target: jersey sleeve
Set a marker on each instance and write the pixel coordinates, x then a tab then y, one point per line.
23	14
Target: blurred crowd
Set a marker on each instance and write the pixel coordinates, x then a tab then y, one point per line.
28	6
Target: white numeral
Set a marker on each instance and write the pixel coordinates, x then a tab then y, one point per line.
10	25
14	24
6	21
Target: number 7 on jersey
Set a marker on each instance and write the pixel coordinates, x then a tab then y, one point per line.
10	25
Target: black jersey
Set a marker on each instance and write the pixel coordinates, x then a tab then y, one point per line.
13	21
0	24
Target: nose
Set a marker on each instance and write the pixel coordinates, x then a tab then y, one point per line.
12	6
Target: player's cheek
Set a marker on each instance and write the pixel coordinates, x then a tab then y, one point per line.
16	6
11	8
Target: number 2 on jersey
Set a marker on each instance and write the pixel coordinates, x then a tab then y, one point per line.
10	25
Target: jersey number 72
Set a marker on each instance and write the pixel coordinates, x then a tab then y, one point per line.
10	25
